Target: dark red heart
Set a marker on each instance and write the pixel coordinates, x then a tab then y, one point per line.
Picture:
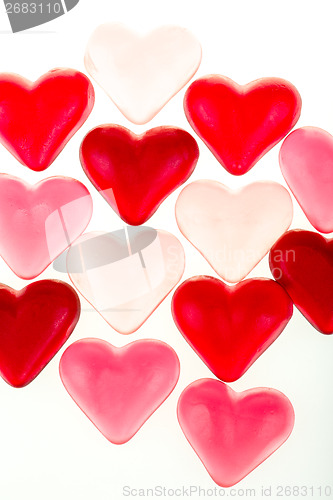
135	173
34	324
240	123
37	119
302	262
229	327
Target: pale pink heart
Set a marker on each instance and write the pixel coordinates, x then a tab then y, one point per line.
306	161
233	230
38	222
232	433
126	274
119	388
141	73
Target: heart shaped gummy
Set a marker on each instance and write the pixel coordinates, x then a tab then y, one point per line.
302	262
233	230
229	327
232	433
34	324
306	161
37	223
119	388
126	274
240	123
135	173
37	119
141	73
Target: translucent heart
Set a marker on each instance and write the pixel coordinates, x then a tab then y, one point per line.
142	73
233	230
232	433
126	274
119	388
306	161
38	222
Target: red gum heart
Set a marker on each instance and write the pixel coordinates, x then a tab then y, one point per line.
37	119
229	327
240	123
302	262
34	324
135	173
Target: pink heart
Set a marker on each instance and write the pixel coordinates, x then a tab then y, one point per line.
119	388
141	73
37	223
126	274
232	433
233	230
306	161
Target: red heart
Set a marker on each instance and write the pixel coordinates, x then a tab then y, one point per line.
135	173
229	327
37	119
302	262
231	432
240	123
34	324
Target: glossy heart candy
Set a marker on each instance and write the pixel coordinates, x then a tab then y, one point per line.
306	161
233	230
240	123
34	324
135	173
302	262
232	433
37	223
126	274
119	388
229	327
141	73
37	119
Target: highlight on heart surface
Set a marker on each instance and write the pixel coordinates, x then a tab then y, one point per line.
119	388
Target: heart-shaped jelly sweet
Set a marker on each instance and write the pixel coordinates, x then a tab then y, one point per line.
34	324
240	123
229	327
119	388
306	161
37	119
38	222
302	262
232	433
233	230
126	274
141	73
135	173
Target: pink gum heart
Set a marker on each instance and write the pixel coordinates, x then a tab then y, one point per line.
119	388
232	433
306	161
37	223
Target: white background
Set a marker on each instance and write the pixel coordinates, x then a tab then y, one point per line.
48	448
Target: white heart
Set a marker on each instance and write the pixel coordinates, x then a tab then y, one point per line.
126	274
233	230
141	73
